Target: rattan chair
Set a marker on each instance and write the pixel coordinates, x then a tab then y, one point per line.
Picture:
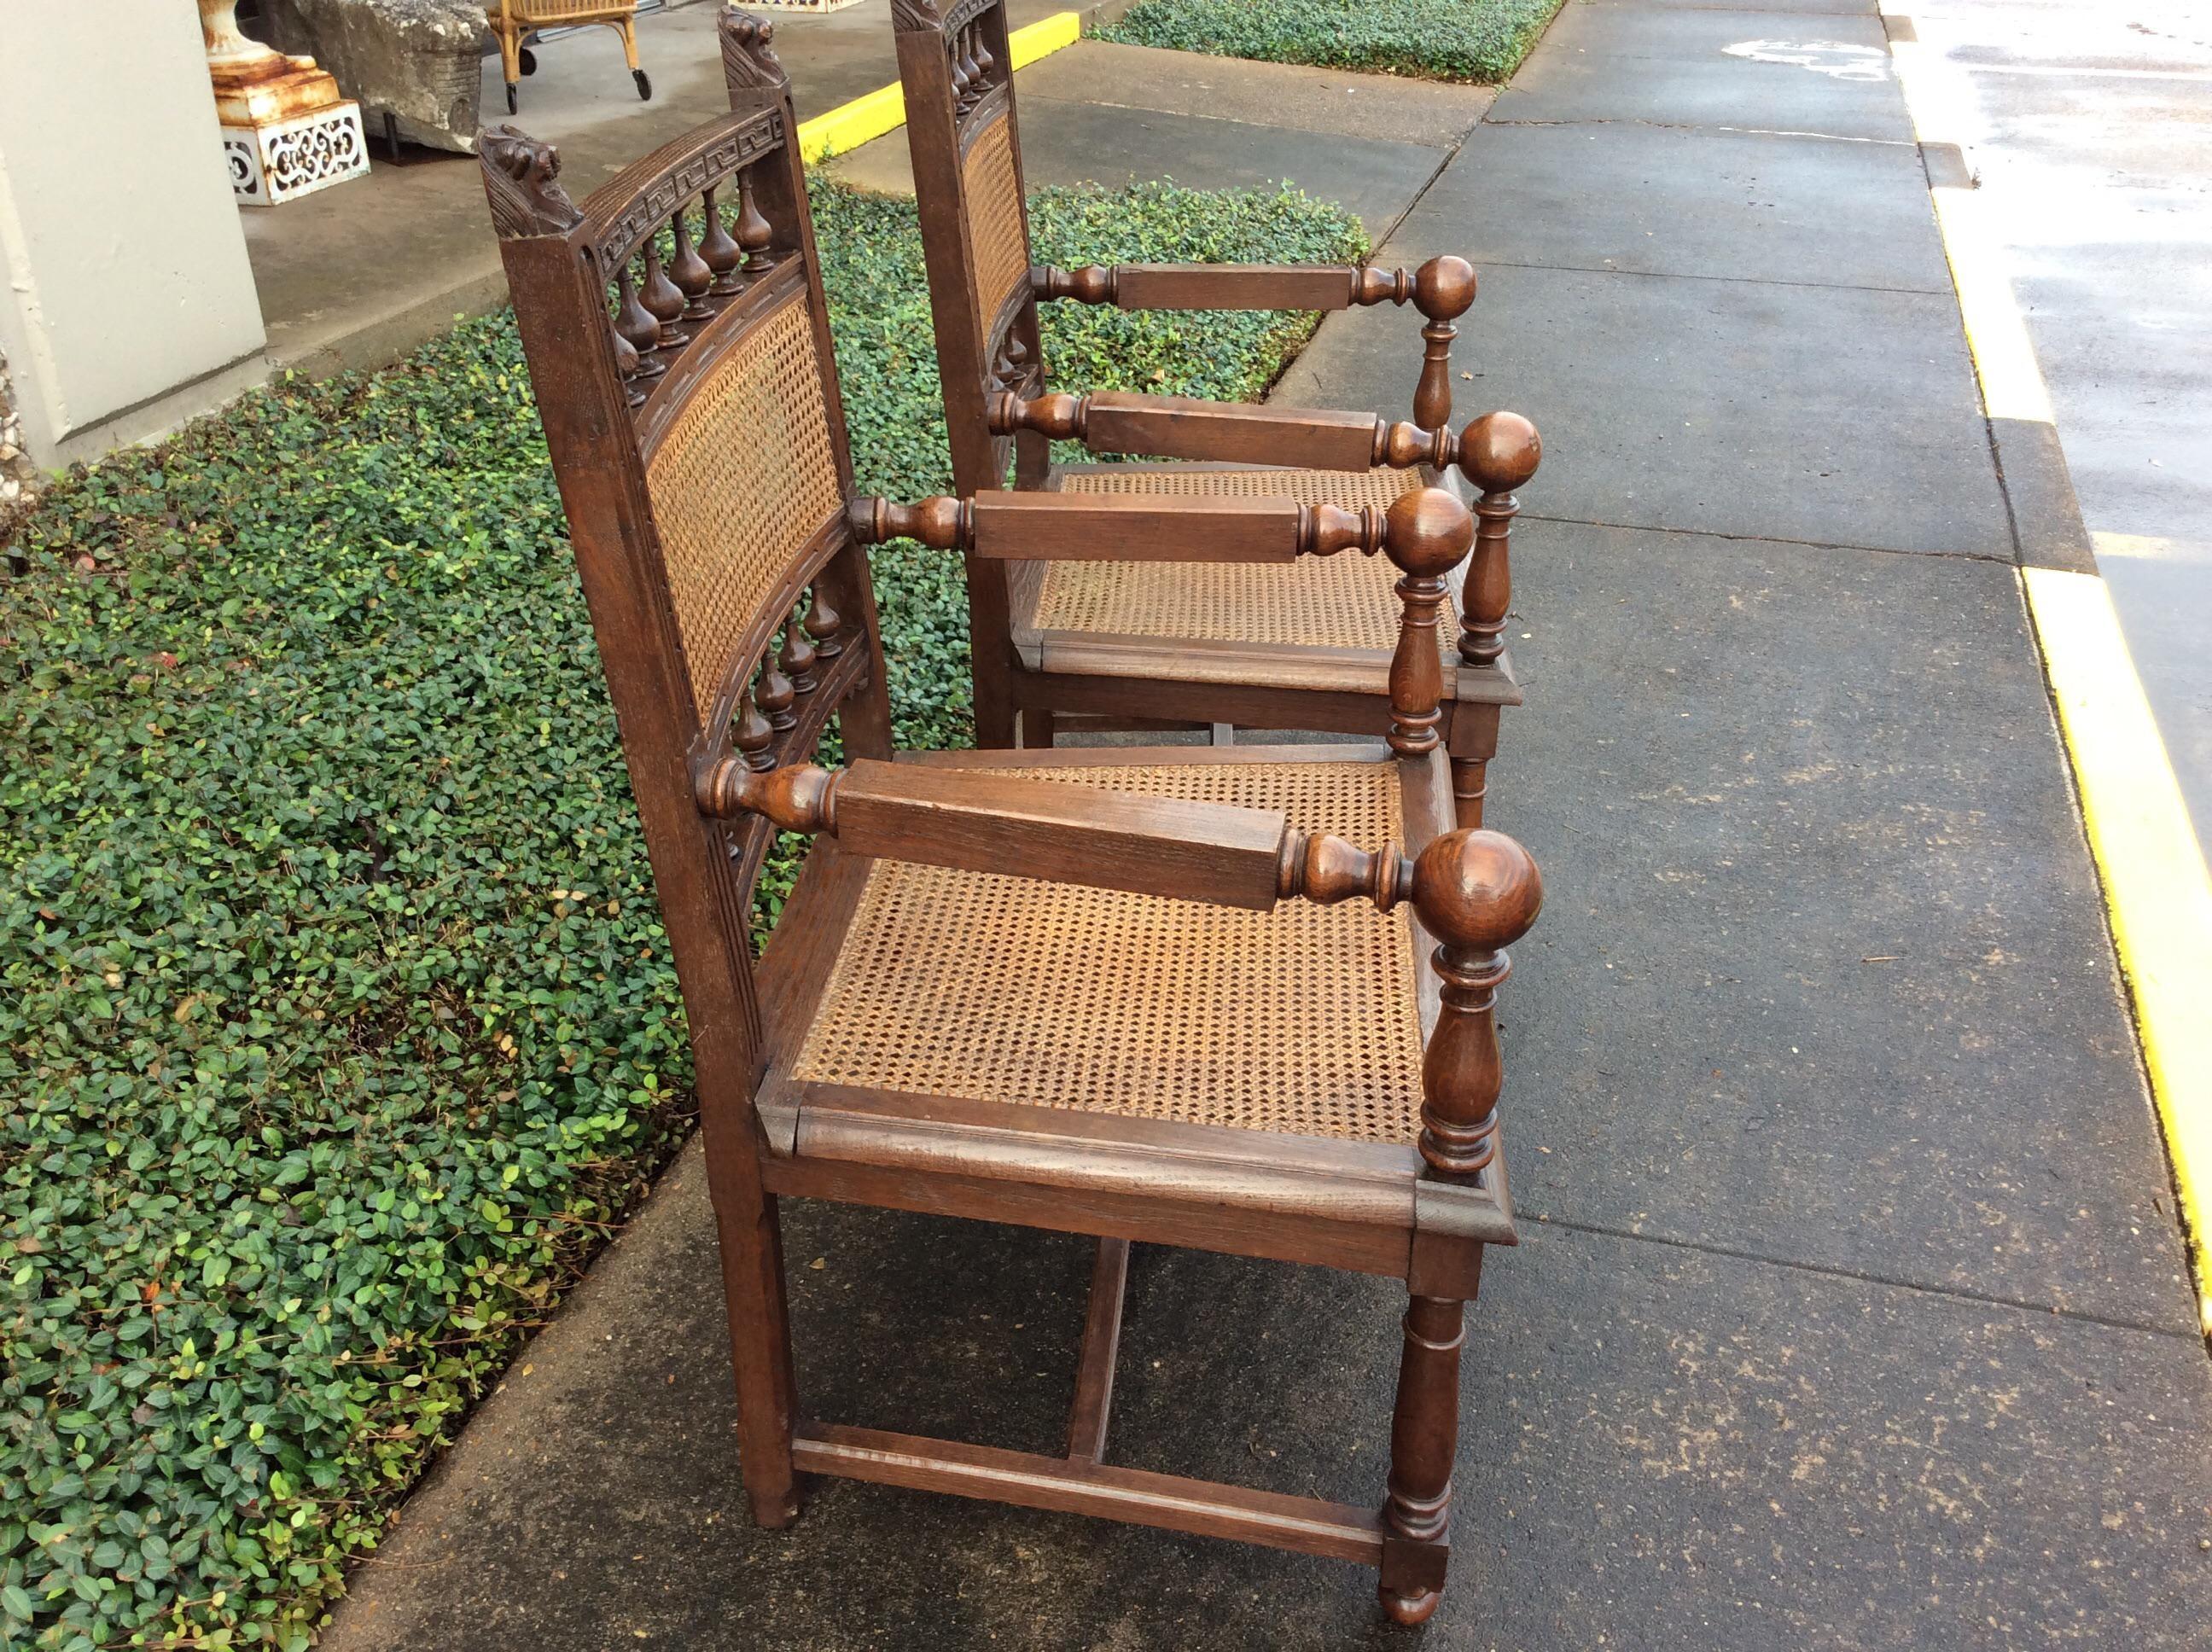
964	1008
1306	647
514	22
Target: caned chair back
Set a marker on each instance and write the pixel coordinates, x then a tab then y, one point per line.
679	344
956	67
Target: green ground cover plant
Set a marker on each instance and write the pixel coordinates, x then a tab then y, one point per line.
1482	40
337	1026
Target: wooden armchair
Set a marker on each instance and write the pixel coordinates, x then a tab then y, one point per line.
515	22
961	1010
1306	647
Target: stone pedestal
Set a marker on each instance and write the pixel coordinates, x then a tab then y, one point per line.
287	132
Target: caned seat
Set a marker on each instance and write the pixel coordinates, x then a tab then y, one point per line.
1239	998
1148	647
993	988
1317	624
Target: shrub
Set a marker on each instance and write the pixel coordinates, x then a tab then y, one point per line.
336	1023
1427	39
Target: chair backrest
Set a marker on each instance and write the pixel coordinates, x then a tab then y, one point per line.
679	347
957	69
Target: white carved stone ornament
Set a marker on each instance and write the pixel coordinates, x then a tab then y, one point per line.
286	131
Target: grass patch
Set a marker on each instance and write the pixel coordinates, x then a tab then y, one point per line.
1482	40
336	1026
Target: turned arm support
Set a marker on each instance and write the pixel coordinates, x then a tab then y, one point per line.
1181	427
1124	527
1441	289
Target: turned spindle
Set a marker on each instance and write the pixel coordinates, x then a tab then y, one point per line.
775	695
752	734
940	522
1058	416
823	624
984	62
797	659
754	231
636	324
1089	283
1326	869
719	248
1442	290
690	272
799	797
627	363
1325	530
1426	532
1477	891
662	298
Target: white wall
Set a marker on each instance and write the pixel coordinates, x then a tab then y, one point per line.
128	304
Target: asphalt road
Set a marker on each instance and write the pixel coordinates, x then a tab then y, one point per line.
2090	124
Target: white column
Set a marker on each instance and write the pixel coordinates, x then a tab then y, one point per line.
126	303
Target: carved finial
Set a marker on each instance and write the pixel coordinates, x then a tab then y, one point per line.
1476	892
522	182
749	59
1499	452
909	15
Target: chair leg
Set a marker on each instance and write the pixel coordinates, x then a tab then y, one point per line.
1037	728
1424	1438
1473	743
760	1349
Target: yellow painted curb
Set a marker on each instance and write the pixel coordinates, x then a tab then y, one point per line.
883	109
2155	882
2157	891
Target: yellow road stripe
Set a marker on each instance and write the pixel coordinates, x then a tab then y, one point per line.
883	109
1997	333
2155	882
2156	887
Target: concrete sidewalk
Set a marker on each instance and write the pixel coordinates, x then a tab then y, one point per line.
1851	1312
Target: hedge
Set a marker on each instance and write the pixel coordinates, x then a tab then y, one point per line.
1479	40
337	1027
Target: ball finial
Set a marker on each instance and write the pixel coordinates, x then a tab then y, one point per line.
1499	452
1479	890
1427	531
1443	287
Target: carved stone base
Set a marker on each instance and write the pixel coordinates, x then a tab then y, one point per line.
284	160
802	5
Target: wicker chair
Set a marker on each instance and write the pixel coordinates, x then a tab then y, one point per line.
961	1010
514	22
1306	647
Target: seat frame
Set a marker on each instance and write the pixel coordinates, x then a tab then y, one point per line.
955	67
720	761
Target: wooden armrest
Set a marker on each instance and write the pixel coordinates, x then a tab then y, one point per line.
1132	527
1002	821
1441	289
1181	427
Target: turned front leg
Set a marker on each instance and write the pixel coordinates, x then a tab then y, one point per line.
1423	1440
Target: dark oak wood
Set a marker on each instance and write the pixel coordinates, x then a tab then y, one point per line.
1094	1364
985	286
1204	1508
728	655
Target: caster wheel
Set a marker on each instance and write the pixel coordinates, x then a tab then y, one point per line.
644	85
513	101
529	61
